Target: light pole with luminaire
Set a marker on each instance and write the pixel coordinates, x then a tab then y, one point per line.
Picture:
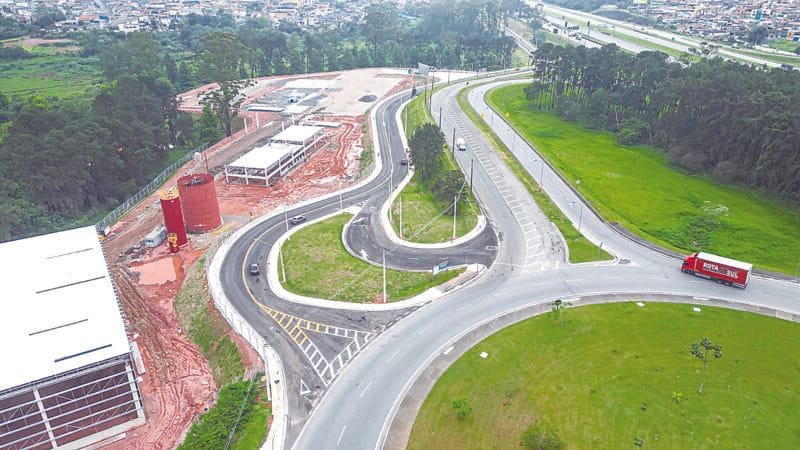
580	215
197	156
541	173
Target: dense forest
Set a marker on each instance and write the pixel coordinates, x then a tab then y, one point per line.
738	123
68	160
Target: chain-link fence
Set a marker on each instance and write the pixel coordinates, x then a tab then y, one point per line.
120	210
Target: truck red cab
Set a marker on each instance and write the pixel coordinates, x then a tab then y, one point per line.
718	268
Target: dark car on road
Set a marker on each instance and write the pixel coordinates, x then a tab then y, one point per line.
403	162
254	269
297	219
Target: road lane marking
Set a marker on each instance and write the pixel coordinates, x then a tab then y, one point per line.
340	435
425	329
365	389
392	357
465	307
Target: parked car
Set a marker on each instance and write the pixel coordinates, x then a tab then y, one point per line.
297	219
254	269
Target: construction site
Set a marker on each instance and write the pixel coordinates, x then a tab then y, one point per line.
302	138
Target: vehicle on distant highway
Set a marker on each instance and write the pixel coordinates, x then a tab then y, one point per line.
297	219
718	268
461	144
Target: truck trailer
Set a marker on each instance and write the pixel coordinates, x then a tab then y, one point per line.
720	269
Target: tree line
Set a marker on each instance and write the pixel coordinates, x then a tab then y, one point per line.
737	123
68	160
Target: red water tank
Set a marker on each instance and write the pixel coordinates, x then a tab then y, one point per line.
173	218
200	204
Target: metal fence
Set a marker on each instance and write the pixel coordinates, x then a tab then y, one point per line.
120	210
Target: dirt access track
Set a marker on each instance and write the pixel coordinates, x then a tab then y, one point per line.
178	385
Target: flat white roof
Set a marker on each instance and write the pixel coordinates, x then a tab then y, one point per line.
297	134
59	310
265	156
726	261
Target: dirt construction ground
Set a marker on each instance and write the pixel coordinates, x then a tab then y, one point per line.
178	385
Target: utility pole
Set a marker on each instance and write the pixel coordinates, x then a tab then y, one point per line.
283	267
453	143
455	205
440	117
471	165
285	217
401	217
384	276
541	174
431	95
341	206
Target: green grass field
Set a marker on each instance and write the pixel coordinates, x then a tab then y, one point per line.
423	220
609	376
600	34
318	265
55	75
636	187
580	249
254	430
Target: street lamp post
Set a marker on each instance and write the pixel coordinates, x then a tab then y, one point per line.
580	216
455	205
541	173
197	156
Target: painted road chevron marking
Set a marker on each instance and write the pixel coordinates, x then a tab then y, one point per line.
297	328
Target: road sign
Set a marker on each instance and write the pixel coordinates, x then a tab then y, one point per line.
441	267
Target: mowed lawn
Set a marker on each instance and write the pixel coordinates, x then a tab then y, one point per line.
318	265
423	218
609	376
636	187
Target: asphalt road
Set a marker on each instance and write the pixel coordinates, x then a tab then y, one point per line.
663	38
358	409
315	343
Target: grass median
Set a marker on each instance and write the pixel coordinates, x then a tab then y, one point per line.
423	218
636	187
616	373
318	265
580	249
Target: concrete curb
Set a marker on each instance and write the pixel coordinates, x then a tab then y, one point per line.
397	429
387	226
275	284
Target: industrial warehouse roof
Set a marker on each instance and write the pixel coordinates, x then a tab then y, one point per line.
265	156
296	134
59	310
